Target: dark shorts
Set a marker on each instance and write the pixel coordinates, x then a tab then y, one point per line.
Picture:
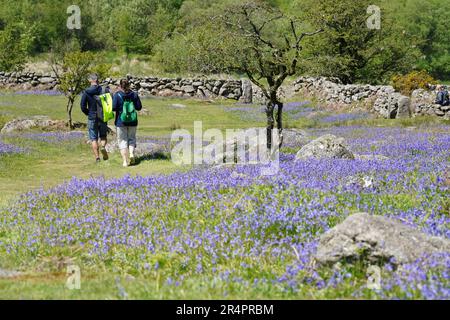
97	129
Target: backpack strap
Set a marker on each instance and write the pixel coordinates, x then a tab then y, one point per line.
120	96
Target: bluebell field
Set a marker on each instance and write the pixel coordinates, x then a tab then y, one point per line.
240	227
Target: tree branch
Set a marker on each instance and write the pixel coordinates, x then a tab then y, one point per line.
307	34
256	82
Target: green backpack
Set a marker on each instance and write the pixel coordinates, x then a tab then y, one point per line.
129	114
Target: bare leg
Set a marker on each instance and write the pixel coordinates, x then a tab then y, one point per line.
132	158
95	149
125	157
132	144
103	143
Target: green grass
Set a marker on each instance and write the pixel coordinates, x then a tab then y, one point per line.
161	117
49	165
105	286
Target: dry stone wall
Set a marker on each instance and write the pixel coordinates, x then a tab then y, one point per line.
26	81
146	86
383	100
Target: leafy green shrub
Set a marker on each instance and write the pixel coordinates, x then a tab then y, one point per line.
15	43
406	84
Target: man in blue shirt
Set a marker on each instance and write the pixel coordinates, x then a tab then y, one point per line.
443	97
96	127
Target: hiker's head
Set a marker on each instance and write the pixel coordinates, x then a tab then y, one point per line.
93	79
125	85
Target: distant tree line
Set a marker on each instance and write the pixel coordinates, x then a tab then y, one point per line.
189	35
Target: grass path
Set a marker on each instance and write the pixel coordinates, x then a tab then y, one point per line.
48	164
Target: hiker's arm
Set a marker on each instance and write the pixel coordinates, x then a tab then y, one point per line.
138	105
84	104
116	102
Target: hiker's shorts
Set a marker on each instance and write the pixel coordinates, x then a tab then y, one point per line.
97	129
126	137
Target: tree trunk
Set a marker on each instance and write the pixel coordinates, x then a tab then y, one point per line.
270	123
280	123
69	112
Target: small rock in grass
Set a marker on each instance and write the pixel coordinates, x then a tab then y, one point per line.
378	157
129	278
9	273
178	106
363	182
237	175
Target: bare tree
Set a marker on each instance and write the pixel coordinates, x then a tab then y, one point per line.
267	49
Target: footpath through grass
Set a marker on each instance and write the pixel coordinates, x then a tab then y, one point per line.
47	164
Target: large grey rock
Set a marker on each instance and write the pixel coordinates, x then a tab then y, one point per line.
392	105
327	146
376	239
403	107
249	146
247	92
42	122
